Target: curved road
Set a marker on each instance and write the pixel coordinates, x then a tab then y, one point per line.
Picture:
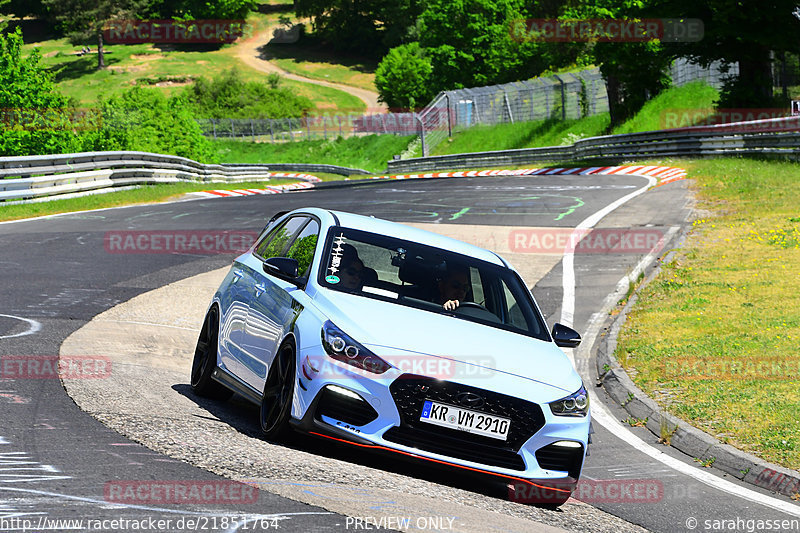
58	462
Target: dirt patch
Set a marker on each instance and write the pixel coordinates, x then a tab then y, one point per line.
172	83
124	70
148	57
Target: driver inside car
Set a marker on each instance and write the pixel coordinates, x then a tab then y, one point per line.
453	288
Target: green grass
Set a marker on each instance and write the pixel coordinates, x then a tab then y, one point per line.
549	132
370	152
676	107
142	195
714	336
132	64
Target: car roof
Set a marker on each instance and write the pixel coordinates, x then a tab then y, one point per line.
402	231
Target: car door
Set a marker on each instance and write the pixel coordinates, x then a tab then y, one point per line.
272	308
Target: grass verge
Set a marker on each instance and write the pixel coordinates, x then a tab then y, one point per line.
551	132
677	107
714	337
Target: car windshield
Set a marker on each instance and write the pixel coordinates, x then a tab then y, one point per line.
424	277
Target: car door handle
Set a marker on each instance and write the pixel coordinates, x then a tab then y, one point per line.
260	289
237	275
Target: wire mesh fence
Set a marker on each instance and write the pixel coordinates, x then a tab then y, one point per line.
684	71
561	97
310	128
565	96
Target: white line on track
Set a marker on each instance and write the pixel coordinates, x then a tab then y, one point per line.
33	327
600	412
568	271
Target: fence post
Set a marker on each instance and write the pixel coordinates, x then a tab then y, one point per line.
422	135
252	130
508	106
449	124
271	132
214	127
563	98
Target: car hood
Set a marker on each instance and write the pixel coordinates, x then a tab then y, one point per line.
404	335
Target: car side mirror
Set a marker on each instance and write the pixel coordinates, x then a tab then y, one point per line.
565	337
283	267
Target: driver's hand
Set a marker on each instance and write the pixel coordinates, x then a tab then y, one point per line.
451	305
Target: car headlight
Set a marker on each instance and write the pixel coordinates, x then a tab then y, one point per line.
576	404
340	346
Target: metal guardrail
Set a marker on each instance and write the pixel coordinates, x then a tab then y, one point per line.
26	177
773	137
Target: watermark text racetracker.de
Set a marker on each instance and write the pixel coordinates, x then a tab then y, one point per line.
180	492
630	491
54	367
738	120
607	30
585	241
321	366
178	242
173	31
226	522
753	368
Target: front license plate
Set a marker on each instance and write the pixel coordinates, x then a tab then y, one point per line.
450	416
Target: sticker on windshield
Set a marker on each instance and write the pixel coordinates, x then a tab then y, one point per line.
332	279
336	257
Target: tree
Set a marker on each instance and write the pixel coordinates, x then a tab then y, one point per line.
470	43
36	118
84	20
366	26
633	71
743	33
200	9
403	77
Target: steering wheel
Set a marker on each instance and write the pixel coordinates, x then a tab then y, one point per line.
474	305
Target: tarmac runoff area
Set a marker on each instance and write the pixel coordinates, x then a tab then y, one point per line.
150	342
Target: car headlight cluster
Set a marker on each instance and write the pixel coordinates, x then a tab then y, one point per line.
340	346
576	404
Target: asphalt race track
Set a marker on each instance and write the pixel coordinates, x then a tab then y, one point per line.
57	462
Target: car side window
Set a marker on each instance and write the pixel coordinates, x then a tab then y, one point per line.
275	242
302	249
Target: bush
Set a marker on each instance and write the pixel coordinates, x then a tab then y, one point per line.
36	118
144	119
229	96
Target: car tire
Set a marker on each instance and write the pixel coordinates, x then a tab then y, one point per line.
205	360
276	402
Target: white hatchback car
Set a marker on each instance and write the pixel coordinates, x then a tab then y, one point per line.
378	334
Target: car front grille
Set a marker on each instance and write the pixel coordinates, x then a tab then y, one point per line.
410	392
553	457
